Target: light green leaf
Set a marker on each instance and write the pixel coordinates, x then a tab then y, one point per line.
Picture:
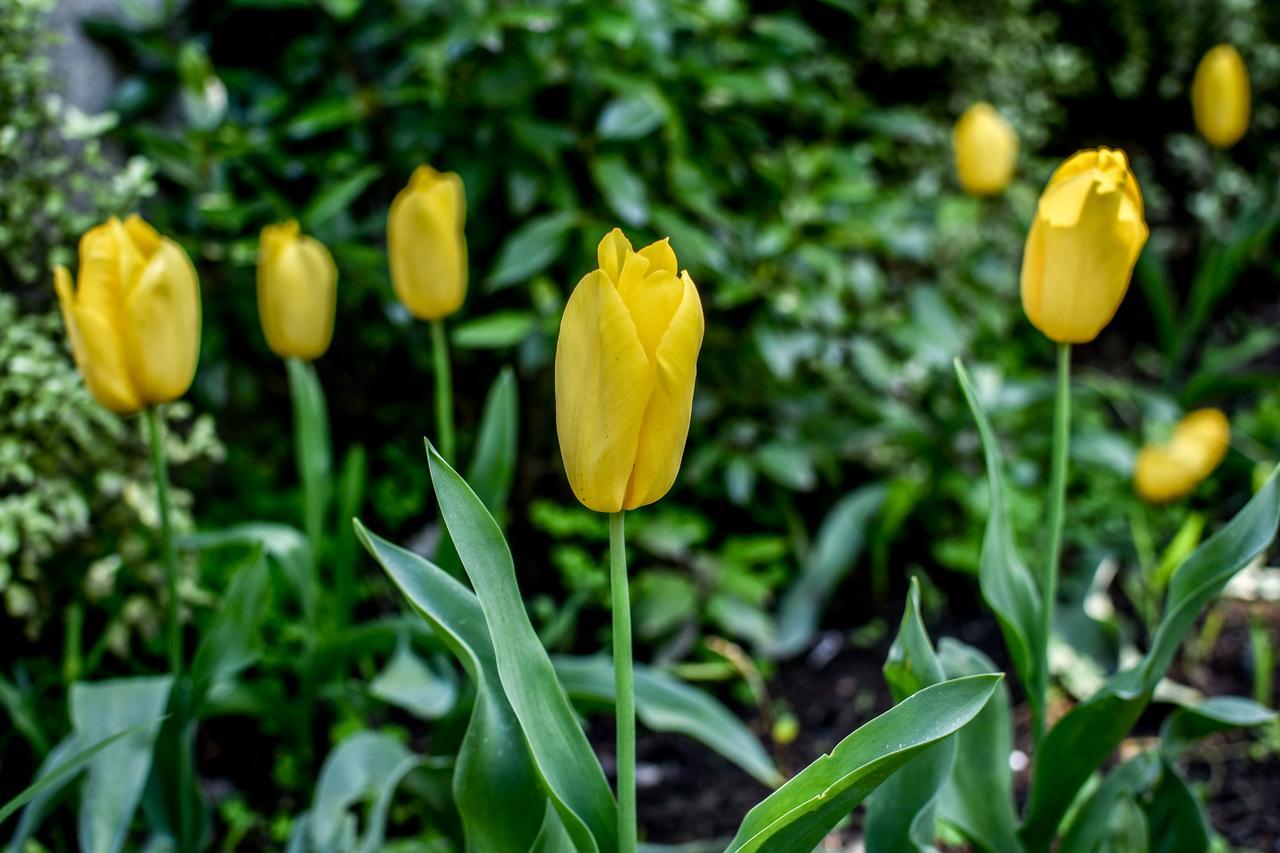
493	462
498	330
622	189
282	544
352	773
1094	819
232	643
798	815
840	540
1216	714
531	248
562	755
495	785
428	692
337	196
666	704
629	117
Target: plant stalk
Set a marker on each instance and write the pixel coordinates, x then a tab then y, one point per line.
444	390
1057	509
160	466
624	683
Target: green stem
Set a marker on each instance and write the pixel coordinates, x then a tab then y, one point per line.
444	390
1057	508
160	465
624	685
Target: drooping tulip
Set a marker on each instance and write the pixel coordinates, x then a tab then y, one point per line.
626	361
297	292
426	244
133	318
1087	234
986	150
1169	471
1220	96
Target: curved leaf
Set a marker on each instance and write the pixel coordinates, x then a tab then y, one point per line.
666	704
494	783
561	752
1219	713
493	462
797	816
353	772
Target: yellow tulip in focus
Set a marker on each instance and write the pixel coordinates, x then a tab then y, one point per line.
426	243
297	292
1169	471
986	150
626	361
1220	96
133	318
1088	231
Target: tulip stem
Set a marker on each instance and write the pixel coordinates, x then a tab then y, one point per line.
160	465
444	390
1057	509
624	685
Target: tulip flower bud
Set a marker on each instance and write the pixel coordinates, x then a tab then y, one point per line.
1220	96
986	150
427	245
1087	233
297	292
1169	471
626	361
133	318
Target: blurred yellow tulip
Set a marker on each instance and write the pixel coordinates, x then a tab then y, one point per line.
1086	237
1220	96
297	292
986	150
133	319
1169	471
626	361
426	243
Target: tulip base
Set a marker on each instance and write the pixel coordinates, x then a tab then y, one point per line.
624	684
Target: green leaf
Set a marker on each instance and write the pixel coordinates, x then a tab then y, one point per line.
232	643
337	196
900	813
531	248
494	785
978	797
562	755
1082	740
666	704
1156	285
840	540
622	189
117	774
377	828
630	117
499	330
1216	714
352	773
1175	816
282	544
800	813
1006	584
493	462
428	692
1094	819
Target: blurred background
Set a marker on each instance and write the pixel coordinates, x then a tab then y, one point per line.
798	155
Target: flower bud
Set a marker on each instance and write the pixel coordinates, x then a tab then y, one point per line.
1086	237
426	244
1220	96
297	292
986	150
626	361
133	318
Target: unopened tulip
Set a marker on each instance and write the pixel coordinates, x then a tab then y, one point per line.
626	361
1169	471
986	150
297	292
133	318
426	243
1220	96
1088	231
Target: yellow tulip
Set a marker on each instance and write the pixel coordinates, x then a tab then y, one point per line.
133	319
427	245
626	361
986	150
1220	96
1088	231
297	292
1169	471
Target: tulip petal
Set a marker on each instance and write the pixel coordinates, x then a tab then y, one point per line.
427	245
96	350
660	256
297	292
603	384
612	254
162	311
666	419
